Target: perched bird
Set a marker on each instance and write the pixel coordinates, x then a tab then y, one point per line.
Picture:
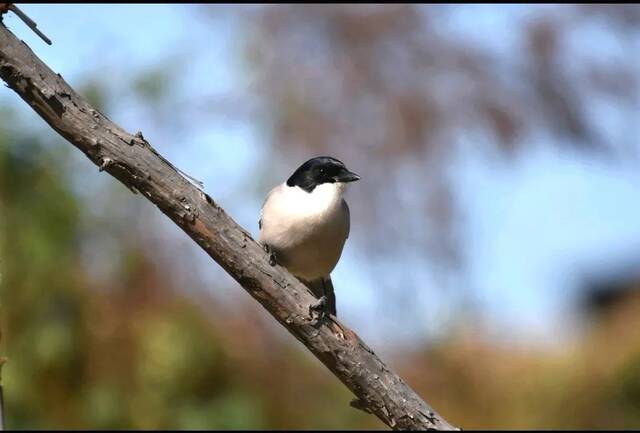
304	223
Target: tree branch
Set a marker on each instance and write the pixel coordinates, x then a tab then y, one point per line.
4	7
132	160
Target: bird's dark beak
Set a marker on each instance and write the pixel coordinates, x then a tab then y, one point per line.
346	176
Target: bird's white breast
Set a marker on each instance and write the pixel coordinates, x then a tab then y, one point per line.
306	230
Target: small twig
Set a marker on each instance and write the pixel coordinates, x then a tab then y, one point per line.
1	408
192	180
2	361
4	7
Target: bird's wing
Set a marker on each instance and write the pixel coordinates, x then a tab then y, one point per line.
346	208
331	296
265	202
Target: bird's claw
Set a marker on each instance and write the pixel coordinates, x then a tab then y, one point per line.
272	254
319	310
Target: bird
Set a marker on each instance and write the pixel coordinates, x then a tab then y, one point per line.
304	224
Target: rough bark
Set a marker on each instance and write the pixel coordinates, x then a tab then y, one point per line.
132	160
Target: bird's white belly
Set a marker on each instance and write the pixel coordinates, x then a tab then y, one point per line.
307	241
315	255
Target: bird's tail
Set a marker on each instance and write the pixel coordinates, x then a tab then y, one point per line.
324	286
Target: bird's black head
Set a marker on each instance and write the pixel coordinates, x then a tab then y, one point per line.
319	170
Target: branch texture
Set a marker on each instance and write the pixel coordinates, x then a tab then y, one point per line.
132	160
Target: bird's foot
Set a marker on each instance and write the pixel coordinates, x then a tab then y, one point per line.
272	254
319	310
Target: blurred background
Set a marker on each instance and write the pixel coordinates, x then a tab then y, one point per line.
494	255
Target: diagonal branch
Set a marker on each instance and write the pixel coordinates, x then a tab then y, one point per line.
4	7
132	160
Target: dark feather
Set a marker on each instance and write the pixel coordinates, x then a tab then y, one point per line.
324	286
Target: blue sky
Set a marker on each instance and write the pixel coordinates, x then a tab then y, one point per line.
535	224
